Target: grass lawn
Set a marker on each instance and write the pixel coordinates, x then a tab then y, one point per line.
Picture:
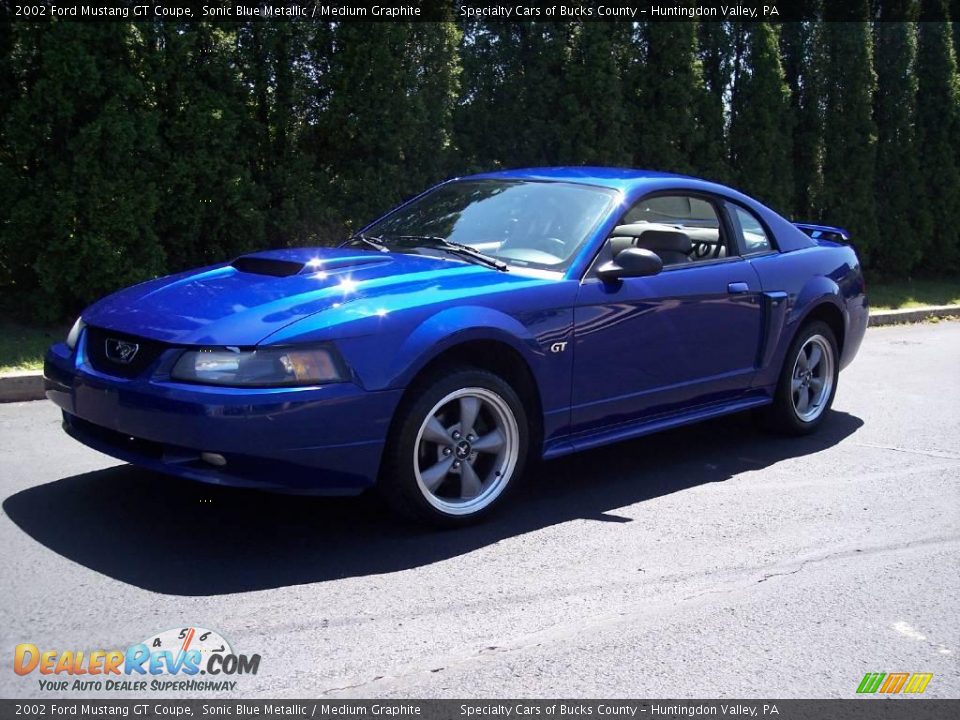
913	294
22	347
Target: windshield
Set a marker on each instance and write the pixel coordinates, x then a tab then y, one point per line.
523	223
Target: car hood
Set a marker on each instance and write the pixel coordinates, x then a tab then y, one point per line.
244	302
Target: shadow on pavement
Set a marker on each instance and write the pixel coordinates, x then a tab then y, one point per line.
181	538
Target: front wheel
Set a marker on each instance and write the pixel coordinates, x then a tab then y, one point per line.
808	382
459	444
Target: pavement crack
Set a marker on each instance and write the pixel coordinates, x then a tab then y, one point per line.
940	454
860	551
767	576
354	686
826	558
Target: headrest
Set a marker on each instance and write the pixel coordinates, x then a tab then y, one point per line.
665	240
654	236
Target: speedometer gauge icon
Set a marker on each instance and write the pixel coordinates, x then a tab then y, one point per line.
181	640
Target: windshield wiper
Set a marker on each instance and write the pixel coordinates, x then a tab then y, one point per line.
374	242
440	243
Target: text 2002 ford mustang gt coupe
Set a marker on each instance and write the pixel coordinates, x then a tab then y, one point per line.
492	319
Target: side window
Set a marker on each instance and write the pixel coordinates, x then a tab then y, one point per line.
755	238
680	229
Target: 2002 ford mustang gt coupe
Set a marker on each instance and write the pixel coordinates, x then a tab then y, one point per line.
491	320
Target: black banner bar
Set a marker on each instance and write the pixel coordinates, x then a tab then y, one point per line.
435	10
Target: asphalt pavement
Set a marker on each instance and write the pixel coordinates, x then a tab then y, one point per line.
710	561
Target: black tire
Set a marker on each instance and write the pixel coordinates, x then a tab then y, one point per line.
783	416
398	482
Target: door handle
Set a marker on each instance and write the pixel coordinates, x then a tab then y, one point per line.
738	288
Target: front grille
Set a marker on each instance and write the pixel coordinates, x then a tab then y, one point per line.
105	352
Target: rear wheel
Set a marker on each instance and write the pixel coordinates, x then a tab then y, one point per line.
807	384
460	443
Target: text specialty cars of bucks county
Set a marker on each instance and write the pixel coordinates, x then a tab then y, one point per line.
490	321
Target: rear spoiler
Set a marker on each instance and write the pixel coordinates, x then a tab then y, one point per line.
824	232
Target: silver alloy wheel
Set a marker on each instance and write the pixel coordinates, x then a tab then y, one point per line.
811	382
466	451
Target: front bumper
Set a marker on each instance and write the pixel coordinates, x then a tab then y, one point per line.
324	440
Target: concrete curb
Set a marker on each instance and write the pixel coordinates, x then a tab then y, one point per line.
21	385
28	384
897	317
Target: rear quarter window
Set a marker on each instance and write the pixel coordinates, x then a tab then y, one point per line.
755	236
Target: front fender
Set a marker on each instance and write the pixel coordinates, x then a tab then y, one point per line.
455	326
392	357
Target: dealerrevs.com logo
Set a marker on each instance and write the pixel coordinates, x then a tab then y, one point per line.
168	661
894	683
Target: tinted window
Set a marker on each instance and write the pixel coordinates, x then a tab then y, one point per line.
679	228
540	224
754	236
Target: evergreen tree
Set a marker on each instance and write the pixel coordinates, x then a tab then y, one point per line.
476	124
269	57
210	206
898	248
432	66
761	123
509	112
389	116
8	93
955	20
801	44
81	140
667	126
850	134
592	119
937	129
8	88
535	60
317	146
716	59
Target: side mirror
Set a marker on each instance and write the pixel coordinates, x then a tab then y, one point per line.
631	262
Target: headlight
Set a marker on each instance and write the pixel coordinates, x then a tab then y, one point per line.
261	367
74	335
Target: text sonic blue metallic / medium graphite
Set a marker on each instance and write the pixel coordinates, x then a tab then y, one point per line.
492	319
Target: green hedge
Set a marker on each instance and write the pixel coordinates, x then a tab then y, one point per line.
129	150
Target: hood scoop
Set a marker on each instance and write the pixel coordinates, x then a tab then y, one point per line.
267	266
275	267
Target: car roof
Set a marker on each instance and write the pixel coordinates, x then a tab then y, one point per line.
622	179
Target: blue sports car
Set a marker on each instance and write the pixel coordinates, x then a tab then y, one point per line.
490	321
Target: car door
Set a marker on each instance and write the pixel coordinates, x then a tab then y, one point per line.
650	347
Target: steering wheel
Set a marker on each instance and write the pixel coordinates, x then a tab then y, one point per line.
701	250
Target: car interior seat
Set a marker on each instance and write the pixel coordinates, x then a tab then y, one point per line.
672	245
